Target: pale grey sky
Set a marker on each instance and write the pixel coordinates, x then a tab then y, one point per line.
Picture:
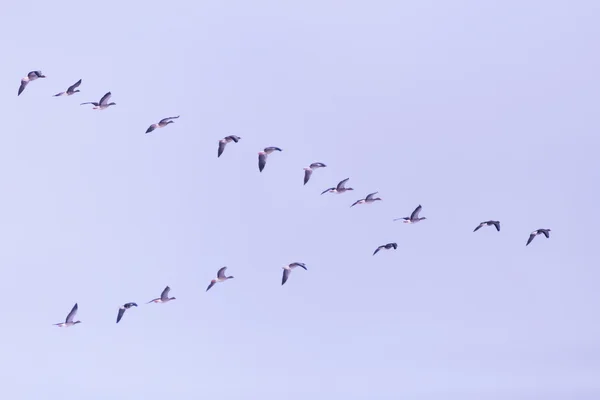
475	109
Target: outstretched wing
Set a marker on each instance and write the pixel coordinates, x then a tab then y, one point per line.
286	275
105	98
222	145
326	190
377	250
370	195
415	214
165	293
90	102
531	237
355	203
221	273
497	225
120	315
298	264
342	183
72	314
211	285
478	227
162	121
74	86
307	174
262	161
22	87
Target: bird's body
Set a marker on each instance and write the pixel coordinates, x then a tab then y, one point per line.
223	142
367	200
545	232
287	270
164	297
386	247
414	217
340	188
262	156
488	223
123	308
161	124
220	278
308	171
71	90
32	76
102	104
69	320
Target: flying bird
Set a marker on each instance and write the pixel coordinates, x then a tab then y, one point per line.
32	76
488	223
122	309
102	104
164	297
262	156
340	188
223	142
545	232
161	124
69	320
71	90
414	217
287	269
386	247
367	200
220	278
308	171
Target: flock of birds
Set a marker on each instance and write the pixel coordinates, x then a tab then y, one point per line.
262	162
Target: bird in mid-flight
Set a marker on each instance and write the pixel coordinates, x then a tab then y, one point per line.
488	223
287	270
308	171
69	320
32	76
220	278
102	104
386	247
262	156
164	297
414	217
367	200
545	232
71	90
161	124
340	188
122	309
223	142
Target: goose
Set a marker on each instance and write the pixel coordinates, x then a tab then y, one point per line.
122	309
164	297
161	124
69	320
386	247
287	269
308	171
262	156
545	232
71	90
102	104
223	142
367	200
340	188
488	223
32	76
220	278
414	217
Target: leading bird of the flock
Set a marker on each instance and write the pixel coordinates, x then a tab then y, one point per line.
122	309
340	188
71	90
223	142
262	156
414	217
367	200
164	297
220	278
69	320
287	270
308	171
161	124
488	223
386	247
32	76
102	104
545	232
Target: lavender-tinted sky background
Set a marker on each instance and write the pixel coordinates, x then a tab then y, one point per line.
475	109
